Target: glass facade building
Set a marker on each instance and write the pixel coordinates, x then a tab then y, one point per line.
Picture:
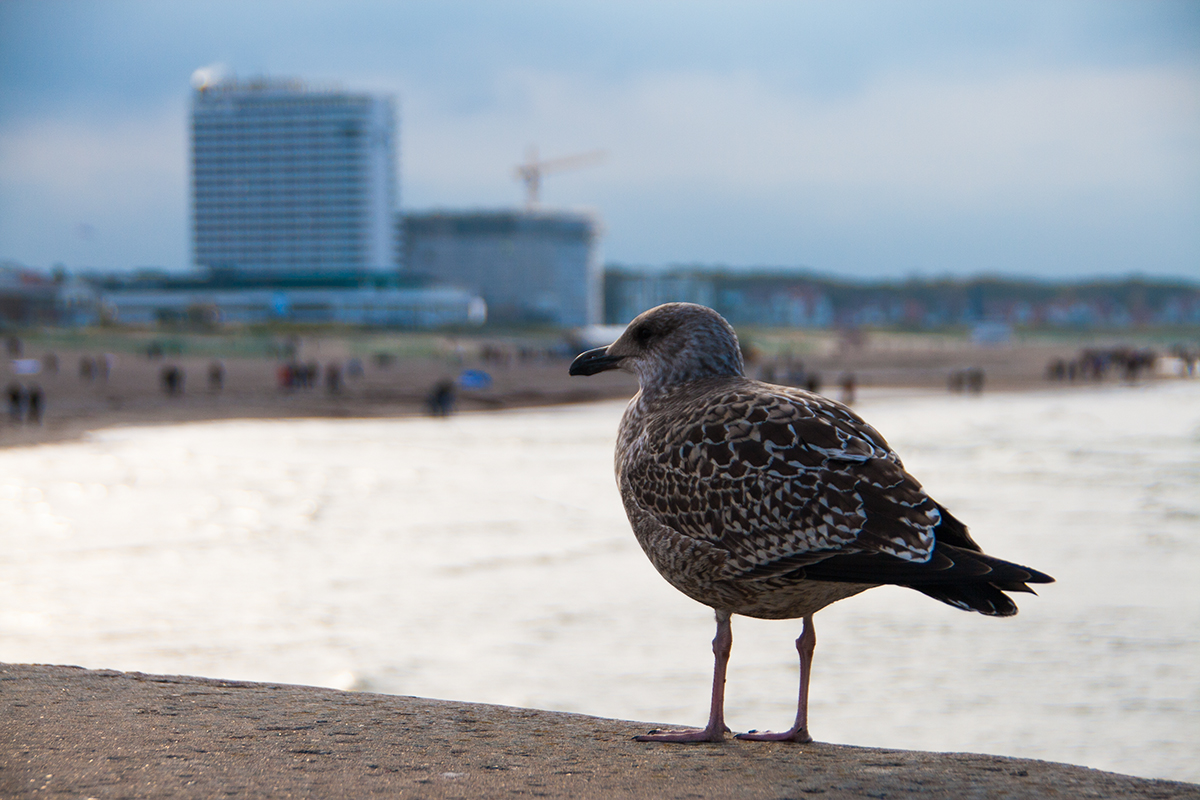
530	266
290	179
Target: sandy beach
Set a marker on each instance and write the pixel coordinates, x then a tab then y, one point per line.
132	391
111	381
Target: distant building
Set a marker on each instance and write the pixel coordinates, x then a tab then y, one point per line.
254	297
291	179
764	298
27	297
990	307
530	266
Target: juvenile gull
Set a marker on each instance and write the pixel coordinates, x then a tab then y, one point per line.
773	502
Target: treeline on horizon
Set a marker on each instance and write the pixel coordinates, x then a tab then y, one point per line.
1000	286
1152	291
925	301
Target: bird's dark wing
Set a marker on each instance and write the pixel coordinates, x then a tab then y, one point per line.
779	479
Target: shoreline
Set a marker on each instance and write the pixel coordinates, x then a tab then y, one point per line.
70	732
132	395
131	390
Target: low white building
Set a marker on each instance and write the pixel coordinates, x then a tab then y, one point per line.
423	307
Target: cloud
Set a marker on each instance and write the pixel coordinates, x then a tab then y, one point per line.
1096	167
928	139
1053	171
93	159
123	179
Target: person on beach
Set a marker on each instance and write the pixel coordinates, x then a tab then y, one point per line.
216	377
848	384
172	380
36	402
16	402
441	399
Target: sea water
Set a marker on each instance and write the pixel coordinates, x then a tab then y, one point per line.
486	558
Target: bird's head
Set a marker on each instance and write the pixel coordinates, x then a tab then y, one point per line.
667	345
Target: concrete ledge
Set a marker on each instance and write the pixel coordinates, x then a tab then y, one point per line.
71	732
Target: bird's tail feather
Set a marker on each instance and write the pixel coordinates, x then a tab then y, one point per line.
985	598
961	577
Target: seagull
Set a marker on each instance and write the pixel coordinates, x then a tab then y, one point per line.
770	501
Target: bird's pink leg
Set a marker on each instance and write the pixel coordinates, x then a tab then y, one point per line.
805	645
715	730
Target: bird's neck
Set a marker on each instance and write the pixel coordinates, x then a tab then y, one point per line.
666	374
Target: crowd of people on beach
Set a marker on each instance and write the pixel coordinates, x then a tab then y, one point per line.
295	375
290	368
1127	363
25	403
789	372
968	381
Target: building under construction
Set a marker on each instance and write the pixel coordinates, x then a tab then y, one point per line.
529	266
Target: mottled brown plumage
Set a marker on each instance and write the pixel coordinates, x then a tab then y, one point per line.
770	501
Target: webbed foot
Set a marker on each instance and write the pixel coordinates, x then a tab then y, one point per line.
794	735
687	735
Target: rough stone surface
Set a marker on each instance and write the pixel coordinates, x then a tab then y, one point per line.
70	732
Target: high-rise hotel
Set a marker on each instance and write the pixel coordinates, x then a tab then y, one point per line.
293	180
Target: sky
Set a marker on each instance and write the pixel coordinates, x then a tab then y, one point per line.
1044	138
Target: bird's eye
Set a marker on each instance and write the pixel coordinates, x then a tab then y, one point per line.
642	334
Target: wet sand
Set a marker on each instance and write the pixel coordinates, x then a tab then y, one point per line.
74	733
132	391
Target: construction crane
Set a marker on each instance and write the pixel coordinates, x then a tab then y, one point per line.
533	169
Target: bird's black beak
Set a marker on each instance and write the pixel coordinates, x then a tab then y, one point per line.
593	361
